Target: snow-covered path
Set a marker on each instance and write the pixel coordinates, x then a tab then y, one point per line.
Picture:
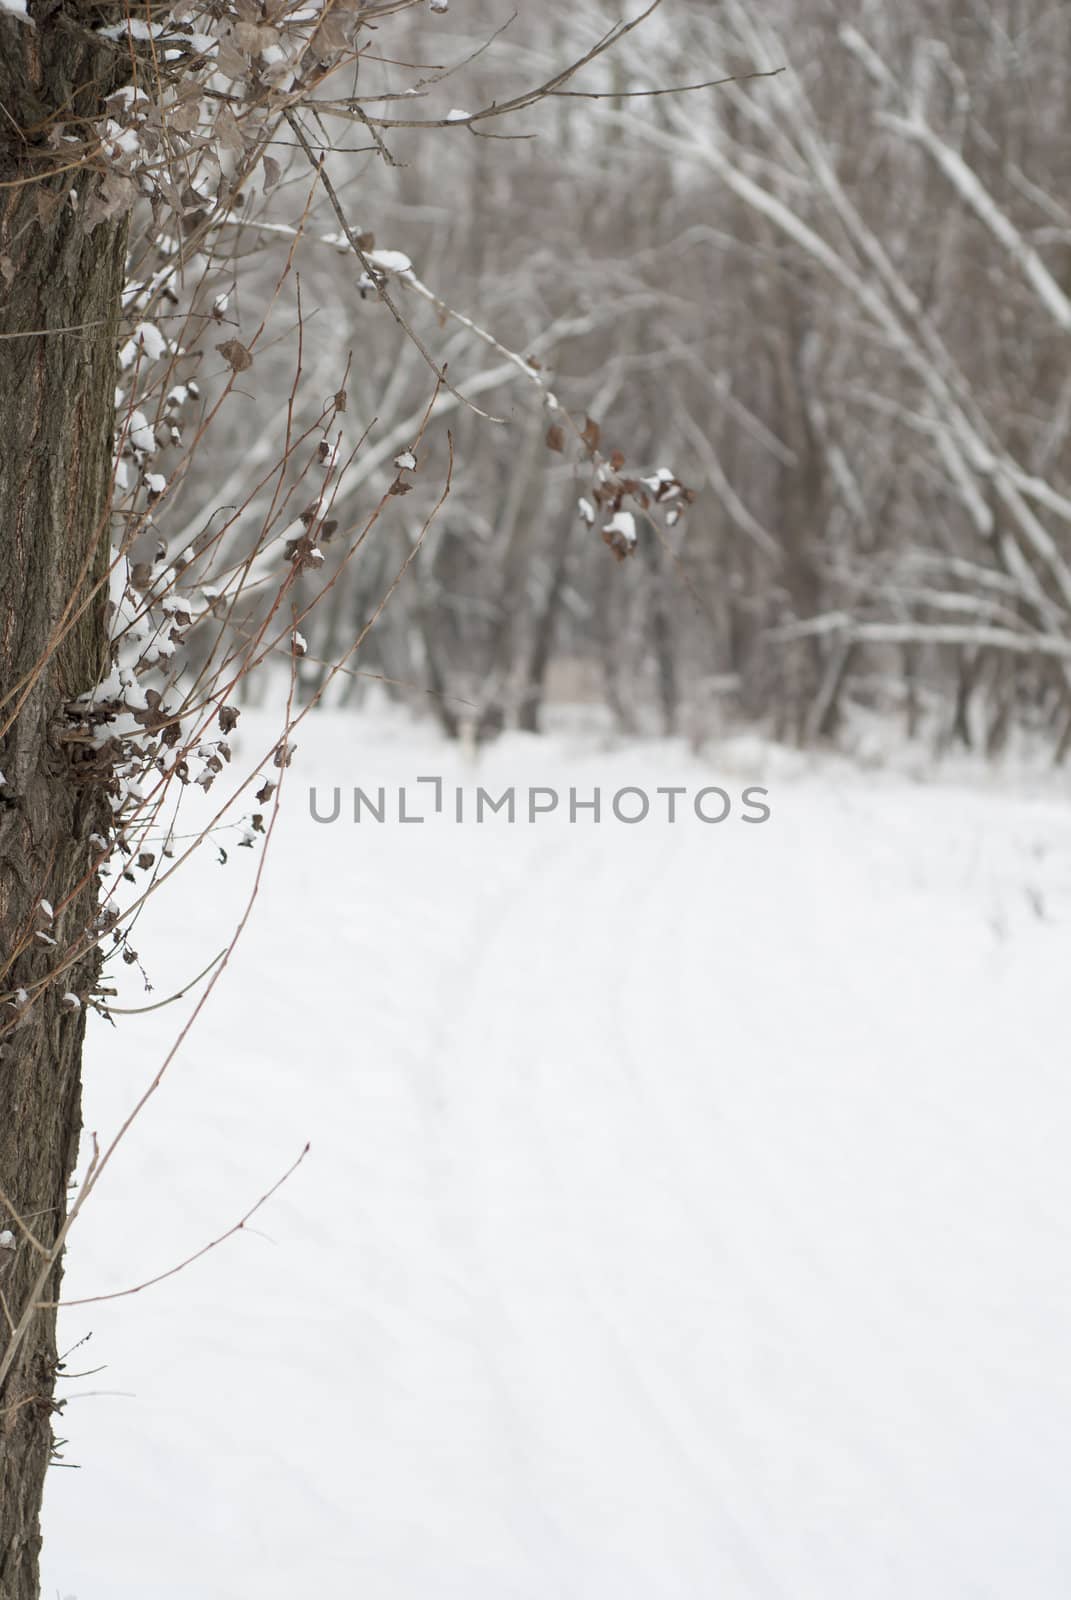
687	1212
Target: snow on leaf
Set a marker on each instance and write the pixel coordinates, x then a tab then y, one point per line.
132	28
140	435
390	260
147	337
620	534
406	462
623	523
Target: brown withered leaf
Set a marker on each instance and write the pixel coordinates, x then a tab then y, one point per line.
185	116
617	461
272	172
253	37
114	195
46	201
332	36
227	130
591	435
301	552
230	61
235	355
265	792
555	437
228	718
620	546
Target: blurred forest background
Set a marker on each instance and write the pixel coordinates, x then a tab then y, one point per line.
836	302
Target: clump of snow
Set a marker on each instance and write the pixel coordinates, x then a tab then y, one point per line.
147	337
140	435
623	525
389	260
133	28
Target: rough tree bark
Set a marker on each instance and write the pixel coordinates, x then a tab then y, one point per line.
56	422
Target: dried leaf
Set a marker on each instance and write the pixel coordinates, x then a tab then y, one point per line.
185	116
227	131
333	34
555	437
46	201
235	355
230	61
253	38
113	196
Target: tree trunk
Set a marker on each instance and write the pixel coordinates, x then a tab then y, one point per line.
56	422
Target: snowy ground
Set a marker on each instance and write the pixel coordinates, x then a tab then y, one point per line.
688	1211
